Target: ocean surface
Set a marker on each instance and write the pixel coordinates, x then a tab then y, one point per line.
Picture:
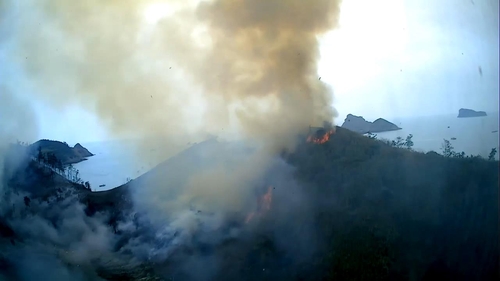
112	165
477	135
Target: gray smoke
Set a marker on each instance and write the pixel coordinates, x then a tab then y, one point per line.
251	71
242	70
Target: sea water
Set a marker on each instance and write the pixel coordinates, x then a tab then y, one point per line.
112	164
476	135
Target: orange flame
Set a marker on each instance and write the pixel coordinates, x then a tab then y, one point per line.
264	205
267	199
249	217
321	140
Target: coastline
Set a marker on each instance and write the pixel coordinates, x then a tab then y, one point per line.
76	161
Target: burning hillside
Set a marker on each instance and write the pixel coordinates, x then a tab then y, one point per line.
245	70
263	205
321	136
242	70
306	208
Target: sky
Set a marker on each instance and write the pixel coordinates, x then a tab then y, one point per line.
390	58
403	58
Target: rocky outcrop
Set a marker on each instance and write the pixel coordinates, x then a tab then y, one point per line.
82	151
63	152
359	125
466	113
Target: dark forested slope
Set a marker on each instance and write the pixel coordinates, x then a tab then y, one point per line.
427	215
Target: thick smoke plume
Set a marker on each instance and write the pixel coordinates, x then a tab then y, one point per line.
55	239
241	70
243	67
236	69
17	122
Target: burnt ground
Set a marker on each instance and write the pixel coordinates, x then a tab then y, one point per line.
371	212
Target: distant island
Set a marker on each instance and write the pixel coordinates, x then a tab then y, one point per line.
62	151
359	125
466	113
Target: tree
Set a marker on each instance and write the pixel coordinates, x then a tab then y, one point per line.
51	160
409	142
59	165
447	148
398	142
87	185
39	157
492	155
69	172
77	176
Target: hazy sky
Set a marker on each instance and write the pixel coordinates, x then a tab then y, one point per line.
414	57
389	58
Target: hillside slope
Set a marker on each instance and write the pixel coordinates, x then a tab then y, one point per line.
401	213
374	212
428	209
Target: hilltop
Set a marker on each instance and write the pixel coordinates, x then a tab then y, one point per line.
62	151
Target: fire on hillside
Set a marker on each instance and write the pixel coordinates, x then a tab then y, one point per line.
321	139
263	205
321	135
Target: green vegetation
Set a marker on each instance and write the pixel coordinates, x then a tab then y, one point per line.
449	151
61	150
492	154
447	148
398	212
51	161
398	142
403	143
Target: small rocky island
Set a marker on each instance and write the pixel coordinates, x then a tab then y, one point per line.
64	152
466	113
359	125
